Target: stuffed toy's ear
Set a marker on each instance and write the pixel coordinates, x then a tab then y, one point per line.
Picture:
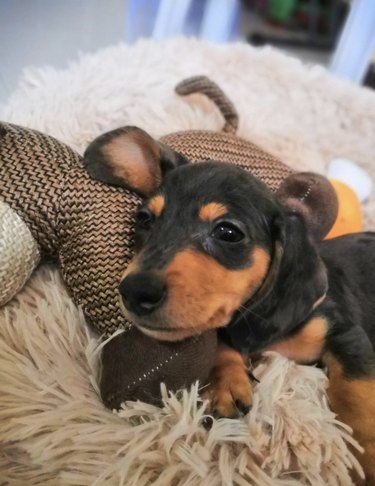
314	198
129	157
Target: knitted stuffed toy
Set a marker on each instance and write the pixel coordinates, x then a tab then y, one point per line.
50	208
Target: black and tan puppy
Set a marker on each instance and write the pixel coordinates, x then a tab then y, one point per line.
215	249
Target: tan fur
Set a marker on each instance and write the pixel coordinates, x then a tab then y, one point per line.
156	204
202	294
134	158
354	402
212	211
307	345
228	383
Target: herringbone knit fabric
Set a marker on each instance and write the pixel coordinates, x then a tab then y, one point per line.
33	167
86	224
200	145
95	228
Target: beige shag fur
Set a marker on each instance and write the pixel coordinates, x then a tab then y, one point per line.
53	428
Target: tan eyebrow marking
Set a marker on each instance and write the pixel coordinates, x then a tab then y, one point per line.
211	211
156	204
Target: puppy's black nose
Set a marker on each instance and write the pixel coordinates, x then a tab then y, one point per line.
142	292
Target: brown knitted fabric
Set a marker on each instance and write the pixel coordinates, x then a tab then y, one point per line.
32	172
200	145
95	228
88	225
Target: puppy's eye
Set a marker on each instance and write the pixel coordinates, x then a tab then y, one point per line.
227	232
144	219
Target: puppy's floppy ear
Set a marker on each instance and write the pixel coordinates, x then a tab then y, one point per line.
302	278
129	157
295	283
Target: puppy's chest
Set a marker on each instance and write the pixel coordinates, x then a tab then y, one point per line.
307	345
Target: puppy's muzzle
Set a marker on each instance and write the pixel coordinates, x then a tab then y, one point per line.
142	293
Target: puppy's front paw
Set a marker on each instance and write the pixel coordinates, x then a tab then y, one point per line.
229	391
230	399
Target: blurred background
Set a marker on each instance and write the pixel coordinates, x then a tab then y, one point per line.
338	34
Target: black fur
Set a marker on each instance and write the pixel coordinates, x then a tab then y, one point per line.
350	303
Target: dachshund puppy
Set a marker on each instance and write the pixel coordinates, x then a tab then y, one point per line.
215	249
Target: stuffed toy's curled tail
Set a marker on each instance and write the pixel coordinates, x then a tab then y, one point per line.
204	85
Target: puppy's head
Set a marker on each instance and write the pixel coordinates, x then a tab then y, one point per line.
209	238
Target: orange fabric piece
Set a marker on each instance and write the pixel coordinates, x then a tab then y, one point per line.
349	217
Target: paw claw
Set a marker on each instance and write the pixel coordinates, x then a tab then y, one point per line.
207	422
242	407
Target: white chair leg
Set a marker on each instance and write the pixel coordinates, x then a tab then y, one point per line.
139	18
170	18
357	42
218	20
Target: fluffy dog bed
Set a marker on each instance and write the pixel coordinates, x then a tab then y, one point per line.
53	427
